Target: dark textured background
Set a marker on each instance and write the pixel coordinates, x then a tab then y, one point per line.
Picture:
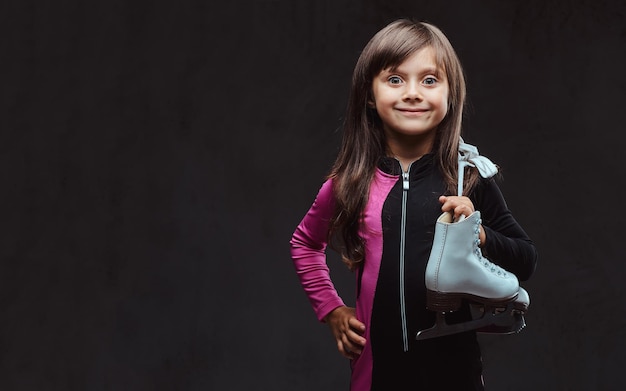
157	156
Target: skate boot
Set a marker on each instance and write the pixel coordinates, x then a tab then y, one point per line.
457	271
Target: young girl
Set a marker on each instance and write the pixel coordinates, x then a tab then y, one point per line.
401	137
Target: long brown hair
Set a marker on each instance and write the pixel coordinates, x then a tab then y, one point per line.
364	142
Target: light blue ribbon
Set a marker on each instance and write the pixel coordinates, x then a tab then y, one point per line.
469	156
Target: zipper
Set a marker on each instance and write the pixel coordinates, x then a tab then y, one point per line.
405	191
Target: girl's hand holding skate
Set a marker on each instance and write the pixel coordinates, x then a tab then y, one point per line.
347	330
460	205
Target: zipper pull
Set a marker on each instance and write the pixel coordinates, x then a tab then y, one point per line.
405	180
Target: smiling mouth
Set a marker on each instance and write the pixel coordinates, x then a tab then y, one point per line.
413	112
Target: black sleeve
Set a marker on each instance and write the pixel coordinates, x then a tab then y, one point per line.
506	244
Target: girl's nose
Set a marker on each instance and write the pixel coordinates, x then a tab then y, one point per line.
412	91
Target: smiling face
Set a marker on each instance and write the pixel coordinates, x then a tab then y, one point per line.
412	98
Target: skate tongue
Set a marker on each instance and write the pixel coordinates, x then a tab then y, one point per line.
460	218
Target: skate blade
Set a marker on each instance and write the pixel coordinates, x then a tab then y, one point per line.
502	325
491	319
511	325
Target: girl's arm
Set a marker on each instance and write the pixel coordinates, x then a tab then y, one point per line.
308	252
506	242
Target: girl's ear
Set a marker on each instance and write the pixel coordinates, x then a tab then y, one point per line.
371	104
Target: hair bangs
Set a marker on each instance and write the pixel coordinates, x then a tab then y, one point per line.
394	46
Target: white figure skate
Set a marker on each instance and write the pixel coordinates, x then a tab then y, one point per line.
457	271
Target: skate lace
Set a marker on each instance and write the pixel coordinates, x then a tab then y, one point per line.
479	254
469	156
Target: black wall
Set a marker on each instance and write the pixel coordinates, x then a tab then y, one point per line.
157	156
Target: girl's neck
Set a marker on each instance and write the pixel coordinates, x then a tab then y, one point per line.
407	153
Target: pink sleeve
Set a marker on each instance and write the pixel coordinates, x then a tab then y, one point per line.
308	252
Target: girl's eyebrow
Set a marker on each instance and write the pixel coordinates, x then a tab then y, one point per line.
427	70
433	70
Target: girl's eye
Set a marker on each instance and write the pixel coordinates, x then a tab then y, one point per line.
429	81
395	80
